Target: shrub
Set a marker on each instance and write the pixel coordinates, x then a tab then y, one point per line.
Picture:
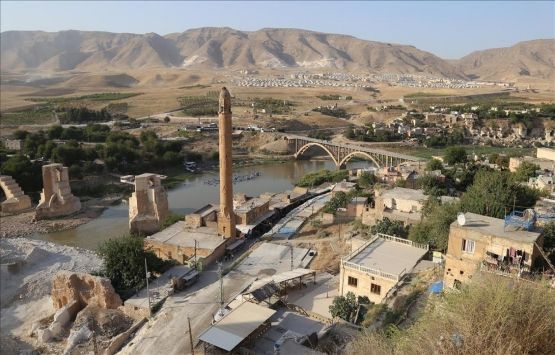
124	262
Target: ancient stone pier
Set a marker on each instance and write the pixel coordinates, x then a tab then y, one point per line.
56	199
16	201
148	205
226	218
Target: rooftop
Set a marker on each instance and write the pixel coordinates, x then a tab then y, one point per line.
495	227
250	204
359	200
237	325
406	194
394	256
179	234
344	186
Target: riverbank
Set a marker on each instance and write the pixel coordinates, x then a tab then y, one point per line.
22	225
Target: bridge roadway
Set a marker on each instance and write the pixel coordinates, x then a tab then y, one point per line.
342	153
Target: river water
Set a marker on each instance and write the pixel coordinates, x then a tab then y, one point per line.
190	196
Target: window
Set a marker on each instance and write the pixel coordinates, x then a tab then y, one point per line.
377	289
352	281
468	246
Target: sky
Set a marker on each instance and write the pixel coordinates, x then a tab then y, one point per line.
447	29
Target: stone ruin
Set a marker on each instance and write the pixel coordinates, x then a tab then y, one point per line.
73	294
85	289
148	205
16	201
56	199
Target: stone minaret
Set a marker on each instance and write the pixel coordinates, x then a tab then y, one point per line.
226	218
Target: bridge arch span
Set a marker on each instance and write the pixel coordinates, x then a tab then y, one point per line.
351	155
305	147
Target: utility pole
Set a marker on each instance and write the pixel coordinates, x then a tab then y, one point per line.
148	291
195	253
291	248
191	336
221	274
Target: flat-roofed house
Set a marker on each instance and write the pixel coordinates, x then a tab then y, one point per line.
377	266
489	243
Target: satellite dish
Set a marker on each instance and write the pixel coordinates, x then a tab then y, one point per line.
461	219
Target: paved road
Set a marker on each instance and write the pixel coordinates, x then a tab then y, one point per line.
167	332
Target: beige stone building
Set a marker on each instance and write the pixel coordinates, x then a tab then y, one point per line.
357	206
251	211
486	242
545	159
402	204
187	243
377	266
14	144
545	153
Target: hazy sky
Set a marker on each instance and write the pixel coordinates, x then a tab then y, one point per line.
448	29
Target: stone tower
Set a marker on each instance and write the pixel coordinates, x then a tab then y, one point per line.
148	205
56	199
226	217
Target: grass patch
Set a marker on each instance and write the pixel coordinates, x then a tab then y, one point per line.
104	96
196	86
428	153
423	94
176	178
320	177
38	115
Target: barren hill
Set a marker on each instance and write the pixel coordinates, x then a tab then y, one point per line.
531	59
211	48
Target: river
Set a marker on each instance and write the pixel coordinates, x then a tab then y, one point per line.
190	196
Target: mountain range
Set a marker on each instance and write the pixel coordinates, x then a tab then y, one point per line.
226	48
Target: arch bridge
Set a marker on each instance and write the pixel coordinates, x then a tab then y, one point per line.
342	153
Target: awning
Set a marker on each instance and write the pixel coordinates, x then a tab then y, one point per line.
236	326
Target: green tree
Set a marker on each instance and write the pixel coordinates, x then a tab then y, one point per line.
344	307
434	227
434	164
27	174
525	171
55	132
366	179
454	155
124	262
20	134
340	200
432	186
494	193
389	227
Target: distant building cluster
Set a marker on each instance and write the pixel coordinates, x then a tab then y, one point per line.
340	79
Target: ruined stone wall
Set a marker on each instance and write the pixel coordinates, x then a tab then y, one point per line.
56	199
16	201
148	205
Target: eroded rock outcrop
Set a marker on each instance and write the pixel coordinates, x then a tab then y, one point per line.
85	289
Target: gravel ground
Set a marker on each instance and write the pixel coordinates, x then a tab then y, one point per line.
22	225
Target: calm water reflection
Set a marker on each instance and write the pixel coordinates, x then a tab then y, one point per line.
190	196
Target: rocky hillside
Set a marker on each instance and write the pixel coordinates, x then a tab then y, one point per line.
530	59
211	48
